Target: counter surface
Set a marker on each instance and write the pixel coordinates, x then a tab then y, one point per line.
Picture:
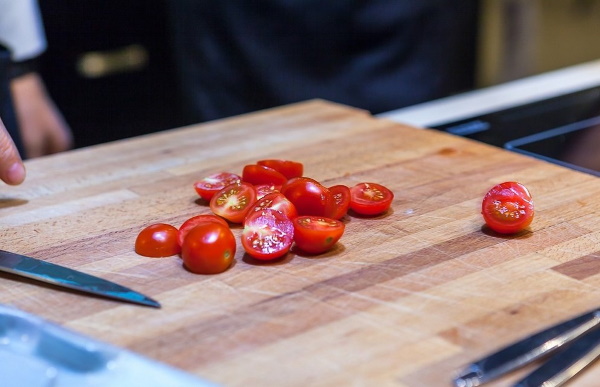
404	299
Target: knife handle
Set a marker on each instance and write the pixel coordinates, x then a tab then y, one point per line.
527	350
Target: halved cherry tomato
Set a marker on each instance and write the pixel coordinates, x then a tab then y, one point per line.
268	234
287	168
196	220
264	189
275	201
507	208
308	196
341	201
212	184
209	248
259	174
370	198
315	234
157	240
234	201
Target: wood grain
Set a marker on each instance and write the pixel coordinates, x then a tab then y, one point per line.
405	299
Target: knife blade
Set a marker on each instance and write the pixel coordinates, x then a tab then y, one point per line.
527	350
62	276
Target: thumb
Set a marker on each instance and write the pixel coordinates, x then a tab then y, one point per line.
12	170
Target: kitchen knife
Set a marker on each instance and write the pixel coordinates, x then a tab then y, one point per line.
63	276
527	350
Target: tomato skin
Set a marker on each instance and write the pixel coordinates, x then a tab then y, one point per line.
287	168
259	174
265	189
210	185
234	201
315	234
341	201
157	240
275	201
196	220
208	248
308	196
267	235
507	208
370	198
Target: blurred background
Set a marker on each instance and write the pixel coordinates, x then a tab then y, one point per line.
109	65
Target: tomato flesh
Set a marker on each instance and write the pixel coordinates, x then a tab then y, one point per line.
370	198
267	235
212	184
157	240
287	168
196	220
308	196
264	189
276	201
234	201
209	248
507	208
316	235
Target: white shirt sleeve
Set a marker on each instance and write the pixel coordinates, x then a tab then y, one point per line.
21	28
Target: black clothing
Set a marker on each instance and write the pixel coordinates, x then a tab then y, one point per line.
7	113
236	56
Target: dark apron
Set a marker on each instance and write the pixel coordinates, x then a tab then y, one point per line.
7	113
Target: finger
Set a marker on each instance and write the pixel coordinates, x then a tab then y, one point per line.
12	170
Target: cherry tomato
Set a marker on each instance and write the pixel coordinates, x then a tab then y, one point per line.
196	220
209	248
268	234
308	196
157	240
370	198
212	184
507	208
234	201
259	174
275	201
287	168
315	235
341	201
264	189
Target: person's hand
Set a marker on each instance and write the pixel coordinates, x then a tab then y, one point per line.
12	170
43	128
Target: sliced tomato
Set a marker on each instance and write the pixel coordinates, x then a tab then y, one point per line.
212	184
264	189
259	174
370	198
275	201
196	220
267	235
234	201
308	196
287	168
507	208
157	240
315	234
341	201
209	248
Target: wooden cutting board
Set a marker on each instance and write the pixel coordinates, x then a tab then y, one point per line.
405	299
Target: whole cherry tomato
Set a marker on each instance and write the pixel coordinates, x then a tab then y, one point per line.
370	198
259	174
212	184
341	201
196	220
308	196
316	235
209	248
287	168
275	201
157	240
267	235
507	208
234	201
